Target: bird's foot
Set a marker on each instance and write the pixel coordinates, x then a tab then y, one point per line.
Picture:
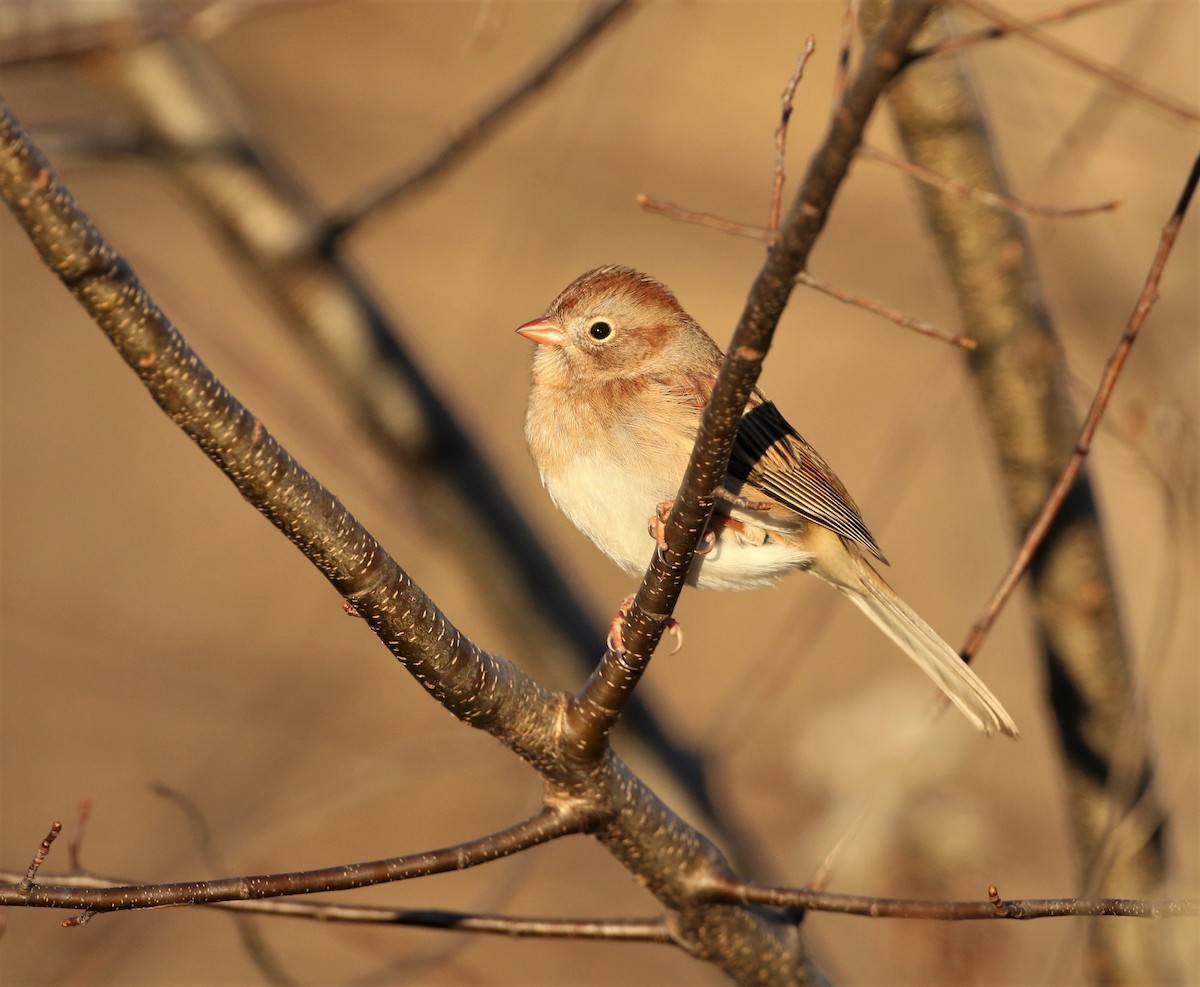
616	640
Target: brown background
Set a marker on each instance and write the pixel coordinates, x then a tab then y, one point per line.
156	629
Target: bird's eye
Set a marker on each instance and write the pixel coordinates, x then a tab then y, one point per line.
600	330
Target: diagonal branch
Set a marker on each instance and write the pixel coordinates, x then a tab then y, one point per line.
1114	76
652	842
483	689
548	824
1083	445
272	228
482	126
596	708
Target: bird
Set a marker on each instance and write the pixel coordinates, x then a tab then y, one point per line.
621	374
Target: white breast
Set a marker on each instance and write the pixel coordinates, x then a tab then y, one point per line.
614	509
613	472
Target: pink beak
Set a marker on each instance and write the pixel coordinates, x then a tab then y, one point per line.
544	331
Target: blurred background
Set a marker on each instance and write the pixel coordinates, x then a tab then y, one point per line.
154	629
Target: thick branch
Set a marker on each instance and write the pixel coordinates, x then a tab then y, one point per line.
482	689
273	230
654	844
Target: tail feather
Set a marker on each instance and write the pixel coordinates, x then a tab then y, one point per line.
922	644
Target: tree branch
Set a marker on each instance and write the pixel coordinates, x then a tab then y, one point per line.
597	706
480	128
546	825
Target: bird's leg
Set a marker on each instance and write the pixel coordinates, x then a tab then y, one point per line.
737	500
616	640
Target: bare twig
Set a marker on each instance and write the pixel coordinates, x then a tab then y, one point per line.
746	892
672	211
713	222
1108	381
902	320
478	130
25	888
1114	76
546	825
983	195
787	99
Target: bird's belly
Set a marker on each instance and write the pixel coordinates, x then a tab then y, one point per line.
614	508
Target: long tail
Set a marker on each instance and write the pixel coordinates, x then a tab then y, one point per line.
921	643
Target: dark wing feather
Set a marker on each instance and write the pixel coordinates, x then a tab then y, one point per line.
770	455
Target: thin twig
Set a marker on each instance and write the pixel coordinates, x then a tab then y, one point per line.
787	98
75	843
1122	80
713	222
544	826
983	195
991	33
1083	444
726	888
902	320
25	888
478	130
621	929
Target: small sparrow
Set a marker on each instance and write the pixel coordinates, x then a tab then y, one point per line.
620	376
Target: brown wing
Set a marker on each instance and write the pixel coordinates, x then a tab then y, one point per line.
770	455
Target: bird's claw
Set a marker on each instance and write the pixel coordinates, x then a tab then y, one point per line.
657	529
616	640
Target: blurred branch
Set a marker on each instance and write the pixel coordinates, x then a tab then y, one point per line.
902	320
253	942
986	196
478	130
35	30
958	41
1020	374
1113	76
